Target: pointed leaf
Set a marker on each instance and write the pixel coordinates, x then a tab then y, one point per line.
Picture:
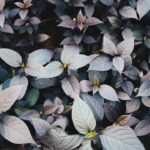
42	56
95	106
54	68
143	7
128	12
71	86
108	46
20	80
41	126
15	130
144	89
118	63
108	92
142	128
58	139
9	96
120	137
82	117
11	57
101	63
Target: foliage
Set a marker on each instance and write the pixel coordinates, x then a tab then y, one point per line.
74	74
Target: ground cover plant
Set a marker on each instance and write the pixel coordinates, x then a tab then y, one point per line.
74	74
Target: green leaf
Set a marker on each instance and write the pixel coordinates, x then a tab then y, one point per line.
32	97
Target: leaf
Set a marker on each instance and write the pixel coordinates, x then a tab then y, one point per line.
43	83
95	106
118	63
110	112
143	7
127	34
89	10
58	139
8	97
144	89
128	12
142	128
68	23
120	137
108	46
122	120
2	5
86	145
29	114
71	86
41	126
107	2
82	116
15	130
42	56
126	47
54	68
91	21
79	61
101	63
108	92
23	14
132	73
20	80
71	51
85	86
33	68
11	57
32	97
123	96
2	20
132	106
61	122
42	37
146	101
128	87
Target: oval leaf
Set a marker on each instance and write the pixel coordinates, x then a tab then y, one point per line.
82	117
15	130
120	138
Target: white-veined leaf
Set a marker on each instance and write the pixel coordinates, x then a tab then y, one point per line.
59	140
15	130
95	105
71	86
82	116
108	92
120	138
